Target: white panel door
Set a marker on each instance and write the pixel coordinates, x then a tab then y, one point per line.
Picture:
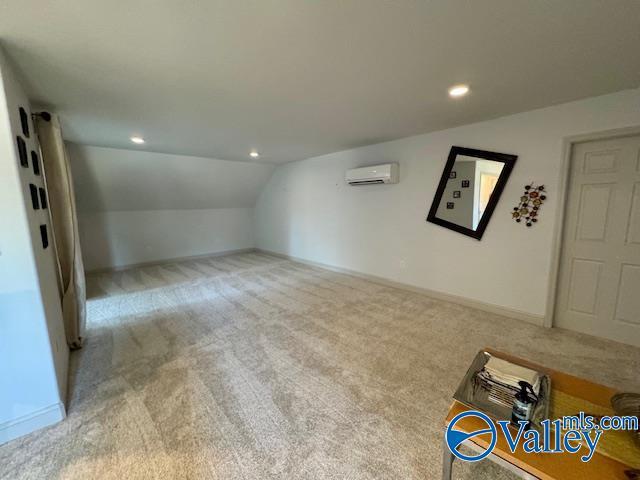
599	287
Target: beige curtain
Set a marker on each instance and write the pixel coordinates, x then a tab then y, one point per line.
62	206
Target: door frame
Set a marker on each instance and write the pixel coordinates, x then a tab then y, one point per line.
563	193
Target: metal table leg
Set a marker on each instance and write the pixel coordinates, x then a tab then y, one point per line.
447	461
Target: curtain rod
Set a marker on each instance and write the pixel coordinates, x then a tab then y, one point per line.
46	116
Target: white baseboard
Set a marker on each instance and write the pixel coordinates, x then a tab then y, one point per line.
163	261
447	297
31	422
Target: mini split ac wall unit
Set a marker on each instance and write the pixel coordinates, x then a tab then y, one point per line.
375	174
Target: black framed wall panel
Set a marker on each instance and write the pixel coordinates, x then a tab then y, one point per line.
24	122
34	196
43	236
35	163
43	198
22	152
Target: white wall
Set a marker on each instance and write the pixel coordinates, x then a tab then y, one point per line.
113	239
307	211
137	207
33	350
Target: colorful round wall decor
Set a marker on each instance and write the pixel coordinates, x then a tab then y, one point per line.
528	210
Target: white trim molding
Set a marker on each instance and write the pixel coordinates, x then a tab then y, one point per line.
31	422
446	297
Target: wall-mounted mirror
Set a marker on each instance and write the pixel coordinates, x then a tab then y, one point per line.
469	190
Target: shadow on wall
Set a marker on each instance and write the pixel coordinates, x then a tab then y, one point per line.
85	178
97	246
93	227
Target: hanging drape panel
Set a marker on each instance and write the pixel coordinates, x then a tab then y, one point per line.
62	205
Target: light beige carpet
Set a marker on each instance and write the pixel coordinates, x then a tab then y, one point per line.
253	367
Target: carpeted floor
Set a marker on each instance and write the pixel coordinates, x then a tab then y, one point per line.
254	367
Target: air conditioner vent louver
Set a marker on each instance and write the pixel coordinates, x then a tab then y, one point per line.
365	182
376	174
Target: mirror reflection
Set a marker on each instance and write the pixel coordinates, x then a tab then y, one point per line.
469	189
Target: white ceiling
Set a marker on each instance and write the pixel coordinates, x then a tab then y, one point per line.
296	78
108	179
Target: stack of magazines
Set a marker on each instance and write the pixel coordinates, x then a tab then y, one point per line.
500	379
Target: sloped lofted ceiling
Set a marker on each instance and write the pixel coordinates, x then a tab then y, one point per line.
296	79
108	179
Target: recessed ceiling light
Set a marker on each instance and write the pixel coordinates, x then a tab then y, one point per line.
138	140
254	154
458	91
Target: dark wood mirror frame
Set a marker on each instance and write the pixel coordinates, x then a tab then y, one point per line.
508	160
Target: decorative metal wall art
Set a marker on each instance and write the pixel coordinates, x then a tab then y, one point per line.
530	202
